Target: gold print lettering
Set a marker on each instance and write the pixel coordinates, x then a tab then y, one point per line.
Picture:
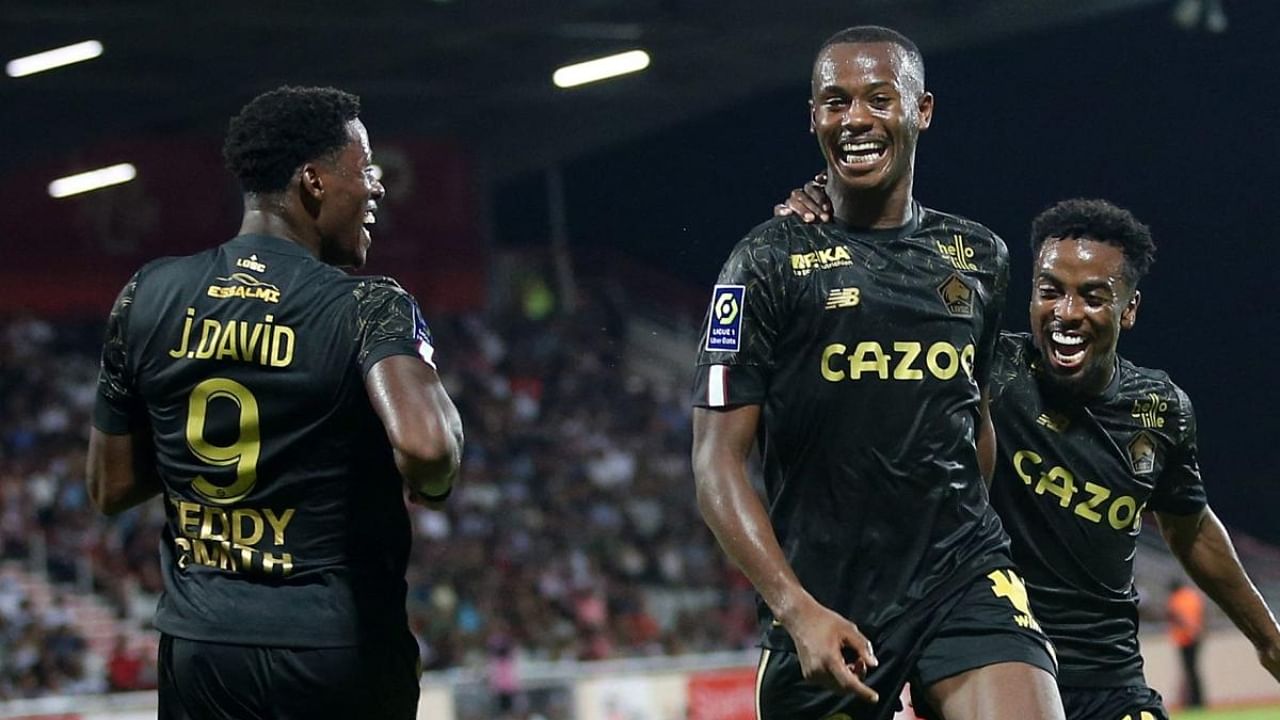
1006	584
1097	495
939	350
281	346
966	359
1018	459
184	552
829	352
1058	482
242	454
265	343
206	528
1123	512
869	359
210	331
278	523
229	539
284	561
859	363
904	370
237	525
186	335
227	348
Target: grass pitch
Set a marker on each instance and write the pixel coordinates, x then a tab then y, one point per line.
1249	713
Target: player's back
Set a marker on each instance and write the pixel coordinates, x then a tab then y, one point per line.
285	519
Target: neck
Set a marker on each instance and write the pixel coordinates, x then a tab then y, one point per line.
874	209
268	215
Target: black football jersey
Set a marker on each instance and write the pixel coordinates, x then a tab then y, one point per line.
1070	486
285	519
866	350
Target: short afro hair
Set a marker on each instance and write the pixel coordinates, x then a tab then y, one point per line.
280	130
869	34
1098	220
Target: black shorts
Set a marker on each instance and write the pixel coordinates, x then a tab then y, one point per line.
985	622
213	681
1120	703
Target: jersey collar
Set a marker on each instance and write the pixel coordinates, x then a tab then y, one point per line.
271	244
914	211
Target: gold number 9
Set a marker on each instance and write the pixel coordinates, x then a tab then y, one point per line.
243	453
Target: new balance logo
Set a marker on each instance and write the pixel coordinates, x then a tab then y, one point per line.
1053	421
843	298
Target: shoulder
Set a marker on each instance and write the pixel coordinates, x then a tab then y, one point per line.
776	237
378	298
974	234
377	290
1136	378
1015	347
1014	356
1154	387
173	267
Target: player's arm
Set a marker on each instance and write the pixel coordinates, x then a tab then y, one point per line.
1202	545
722	441
121	470
422	424
400	377
986	439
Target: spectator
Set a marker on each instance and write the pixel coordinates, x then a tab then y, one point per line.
1186	626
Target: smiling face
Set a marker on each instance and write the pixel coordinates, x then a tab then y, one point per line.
1080	301
867	110
351	192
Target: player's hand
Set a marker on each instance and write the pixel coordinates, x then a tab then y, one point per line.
810	202
832	652
1269	655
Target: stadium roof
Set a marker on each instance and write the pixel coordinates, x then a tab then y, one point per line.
478	70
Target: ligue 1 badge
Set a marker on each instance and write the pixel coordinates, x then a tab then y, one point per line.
724	329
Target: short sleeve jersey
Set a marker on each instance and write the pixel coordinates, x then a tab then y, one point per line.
1070	486
285	518
866	351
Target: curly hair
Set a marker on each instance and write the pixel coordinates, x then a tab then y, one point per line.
1102	221
280	130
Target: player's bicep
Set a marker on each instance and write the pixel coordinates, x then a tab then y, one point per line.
1181	530
986	438
724	434
722	442
414	407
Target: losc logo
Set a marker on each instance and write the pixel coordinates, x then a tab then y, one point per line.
957	296
1142	453
724	327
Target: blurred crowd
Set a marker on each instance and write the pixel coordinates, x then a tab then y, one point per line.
573	533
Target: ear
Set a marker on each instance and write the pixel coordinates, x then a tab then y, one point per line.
311	181
812	124
1129	315
925	109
